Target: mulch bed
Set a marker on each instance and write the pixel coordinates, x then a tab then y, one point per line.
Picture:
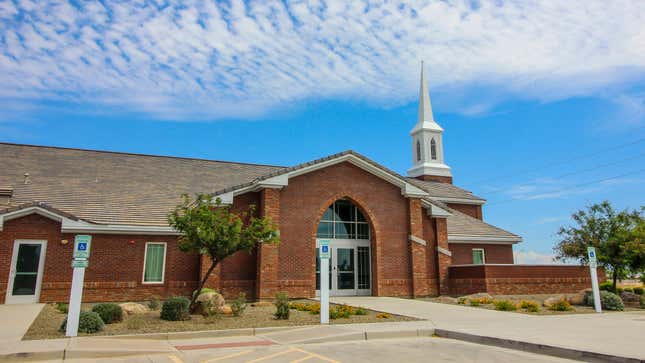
49	321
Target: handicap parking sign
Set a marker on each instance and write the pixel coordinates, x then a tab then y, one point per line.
82	245
324	248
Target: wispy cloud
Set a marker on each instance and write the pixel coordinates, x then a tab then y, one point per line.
537	258
208	60
548	188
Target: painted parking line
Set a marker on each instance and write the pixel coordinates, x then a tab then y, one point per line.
227	356
175	359
272	355
314	355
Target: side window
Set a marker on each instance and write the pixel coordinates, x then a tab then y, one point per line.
478	256
154	264
433	149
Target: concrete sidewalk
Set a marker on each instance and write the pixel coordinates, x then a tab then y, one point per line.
613	334
16	320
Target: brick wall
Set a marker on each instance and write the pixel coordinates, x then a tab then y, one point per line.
436	178
520	279
472	210
115	267
462	253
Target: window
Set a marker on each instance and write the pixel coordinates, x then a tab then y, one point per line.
154	263
343	220
478	256
418	150
433	149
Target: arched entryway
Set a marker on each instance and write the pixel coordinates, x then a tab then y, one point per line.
350	265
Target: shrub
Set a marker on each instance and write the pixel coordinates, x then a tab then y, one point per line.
62	307
89	322
383	316
474	302
360	311
562	305
346	308
505	305
638	290
338	312
135	323
313	309
610	301
239	304
281	306
109	312
484	300
461	301
154	304
175	309
530	306
607	286
628	289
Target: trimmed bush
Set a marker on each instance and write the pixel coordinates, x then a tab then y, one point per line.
175	309
474	302
109	312
628	289
281	306
462	301
383	316
62	307
562	305
505	305
530	306
239	305
338	312
360	311
89	322
608	300
638	290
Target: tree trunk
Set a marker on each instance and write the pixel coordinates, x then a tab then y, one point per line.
615	278
201	285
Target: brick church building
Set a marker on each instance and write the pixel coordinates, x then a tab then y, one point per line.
391	235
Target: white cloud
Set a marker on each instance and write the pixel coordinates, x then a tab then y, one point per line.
205	60
537	258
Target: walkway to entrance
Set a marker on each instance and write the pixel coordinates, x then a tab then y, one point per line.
16	320
607	333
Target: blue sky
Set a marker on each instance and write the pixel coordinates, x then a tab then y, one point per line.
543	103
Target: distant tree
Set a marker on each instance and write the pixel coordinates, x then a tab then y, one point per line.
617	237
210	228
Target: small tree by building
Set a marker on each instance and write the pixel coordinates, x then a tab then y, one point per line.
616	235
211	228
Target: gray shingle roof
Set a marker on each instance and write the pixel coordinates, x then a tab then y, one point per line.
463	225
110	187
444	190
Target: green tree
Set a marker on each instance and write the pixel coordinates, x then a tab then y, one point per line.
211	228
613	233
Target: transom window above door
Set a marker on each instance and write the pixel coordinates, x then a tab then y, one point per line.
343	220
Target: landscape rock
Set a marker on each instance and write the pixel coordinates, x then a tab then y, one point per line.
131	308
553	300
630	299
226	310
478	295
216	302
578	298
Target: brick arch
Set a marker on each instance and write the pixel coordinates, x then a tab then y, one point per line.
375	232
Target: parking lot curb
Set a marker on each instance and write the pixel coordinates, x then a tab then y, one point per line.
544	349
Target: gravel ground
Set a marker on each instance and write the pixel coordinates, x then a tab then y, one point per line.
49	321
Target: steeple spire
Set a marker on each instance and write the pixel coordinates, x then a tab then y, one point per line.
425	108
427	141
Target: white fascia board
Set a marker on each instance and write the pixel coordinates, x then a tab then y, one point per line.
277	181
435	211
459	200
84	227
27	211
226	198
455	238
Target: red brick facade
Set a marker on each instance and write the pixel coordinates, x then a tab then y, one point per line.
462	253
520	279
410	253
436	178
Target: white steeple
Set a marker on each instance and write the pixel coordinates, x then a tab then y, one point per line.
427	140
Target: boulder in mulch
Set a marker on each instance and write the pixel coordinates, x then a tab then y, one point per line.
208	300
447	300
131	308
578	298
630	299
549	302
479	295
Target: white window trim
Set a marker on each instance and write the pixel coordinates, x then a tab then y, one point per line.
163	266
483	255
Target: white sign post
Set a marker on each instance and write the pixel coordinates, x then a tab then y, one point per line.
325	254
591	252
81	255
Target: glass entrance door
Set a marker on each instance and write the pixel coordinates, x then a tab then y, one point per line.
26	272
349	272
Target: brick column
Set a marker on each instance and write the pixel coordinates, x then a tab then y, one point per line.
420	282
443	259
266	283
